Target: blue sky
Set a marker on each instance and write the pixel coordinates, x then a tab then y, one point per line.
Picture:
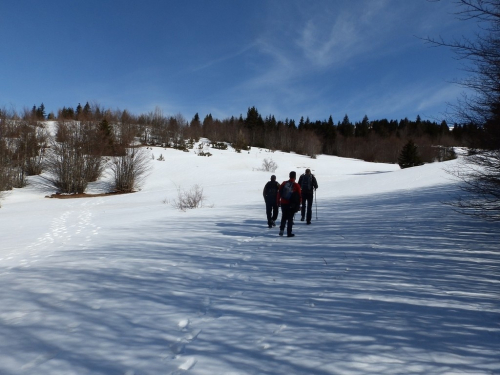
289	58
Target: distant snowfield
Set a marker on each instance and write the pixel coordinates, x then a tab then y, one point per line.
386	280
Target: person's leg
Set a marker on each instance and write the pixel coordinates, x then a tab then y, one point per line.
275	213
309	207
269	208
303	211
290	223
284	214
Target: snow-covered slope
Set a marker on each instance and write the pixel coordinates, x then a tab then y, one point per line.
386	280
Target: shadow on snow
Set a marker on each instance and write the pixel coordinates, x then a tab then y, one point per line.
390	284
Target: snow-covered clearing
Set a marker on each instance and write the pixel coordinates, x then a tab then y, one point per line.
386	280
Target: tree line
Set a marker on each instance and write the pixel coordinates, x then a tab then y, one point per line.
93	132
86	135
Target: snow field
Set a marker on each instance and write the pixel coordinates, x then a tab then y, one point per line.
387	280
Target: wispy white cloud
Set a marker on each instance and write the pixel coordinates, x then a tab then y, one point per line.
447	93
334	39
329	38
424	99
229	56
322	38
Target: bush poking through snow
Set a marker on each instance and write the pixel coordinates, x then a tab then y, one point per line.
187	200
269	165
219	145
130	169
72	162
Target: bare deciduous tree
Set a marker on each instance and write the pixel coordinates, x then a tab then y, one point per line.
72	161
480	172
129	170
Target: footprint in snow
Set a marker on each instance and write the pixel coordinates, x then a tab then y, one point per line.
183	323
189	364
279	329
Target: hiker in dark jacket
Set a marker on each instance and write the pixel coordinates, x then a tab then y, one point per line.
308	184
270	194
290	197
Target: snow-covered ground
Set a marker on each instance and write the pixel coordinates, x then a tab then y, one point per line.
386	280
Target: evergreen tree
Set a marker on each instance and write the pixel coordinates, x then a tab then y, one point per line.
444	128
254	119
255	124
195	129
195	120
86	111
40	112
363	128
409	156
78	110
346	128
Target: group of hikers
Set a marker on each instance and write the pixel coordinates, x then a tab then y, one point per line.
292	197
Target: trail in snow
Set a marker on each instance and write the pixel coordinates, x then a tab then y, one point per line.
391	281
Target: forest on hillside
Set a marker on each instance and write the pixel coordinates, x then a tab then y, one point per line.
87	135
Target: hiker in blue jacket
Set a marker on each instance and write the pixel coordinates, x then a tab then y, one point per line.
270	194
308	184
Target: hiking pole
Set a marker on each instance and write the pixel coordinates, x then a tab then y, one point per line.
316	204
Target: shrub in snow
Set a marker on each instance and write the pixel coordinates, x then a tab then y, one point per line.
269	165
130	169
219	145
187	200
73	161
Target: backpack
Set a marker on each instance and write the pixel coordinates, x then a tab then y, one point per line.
293	197
271	191
306	183
287	190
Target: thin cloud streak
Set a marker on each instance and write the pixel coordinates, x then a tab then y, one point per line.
222	59
336	41
287	57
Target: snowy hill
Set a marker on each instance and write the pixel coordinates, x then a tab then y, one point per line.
386	280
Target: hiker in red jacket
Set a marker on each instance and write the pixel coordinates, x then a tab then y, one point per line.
289	198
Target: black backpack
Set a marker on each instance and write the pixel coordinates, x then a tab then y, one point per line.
271	190
287	190
307	182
